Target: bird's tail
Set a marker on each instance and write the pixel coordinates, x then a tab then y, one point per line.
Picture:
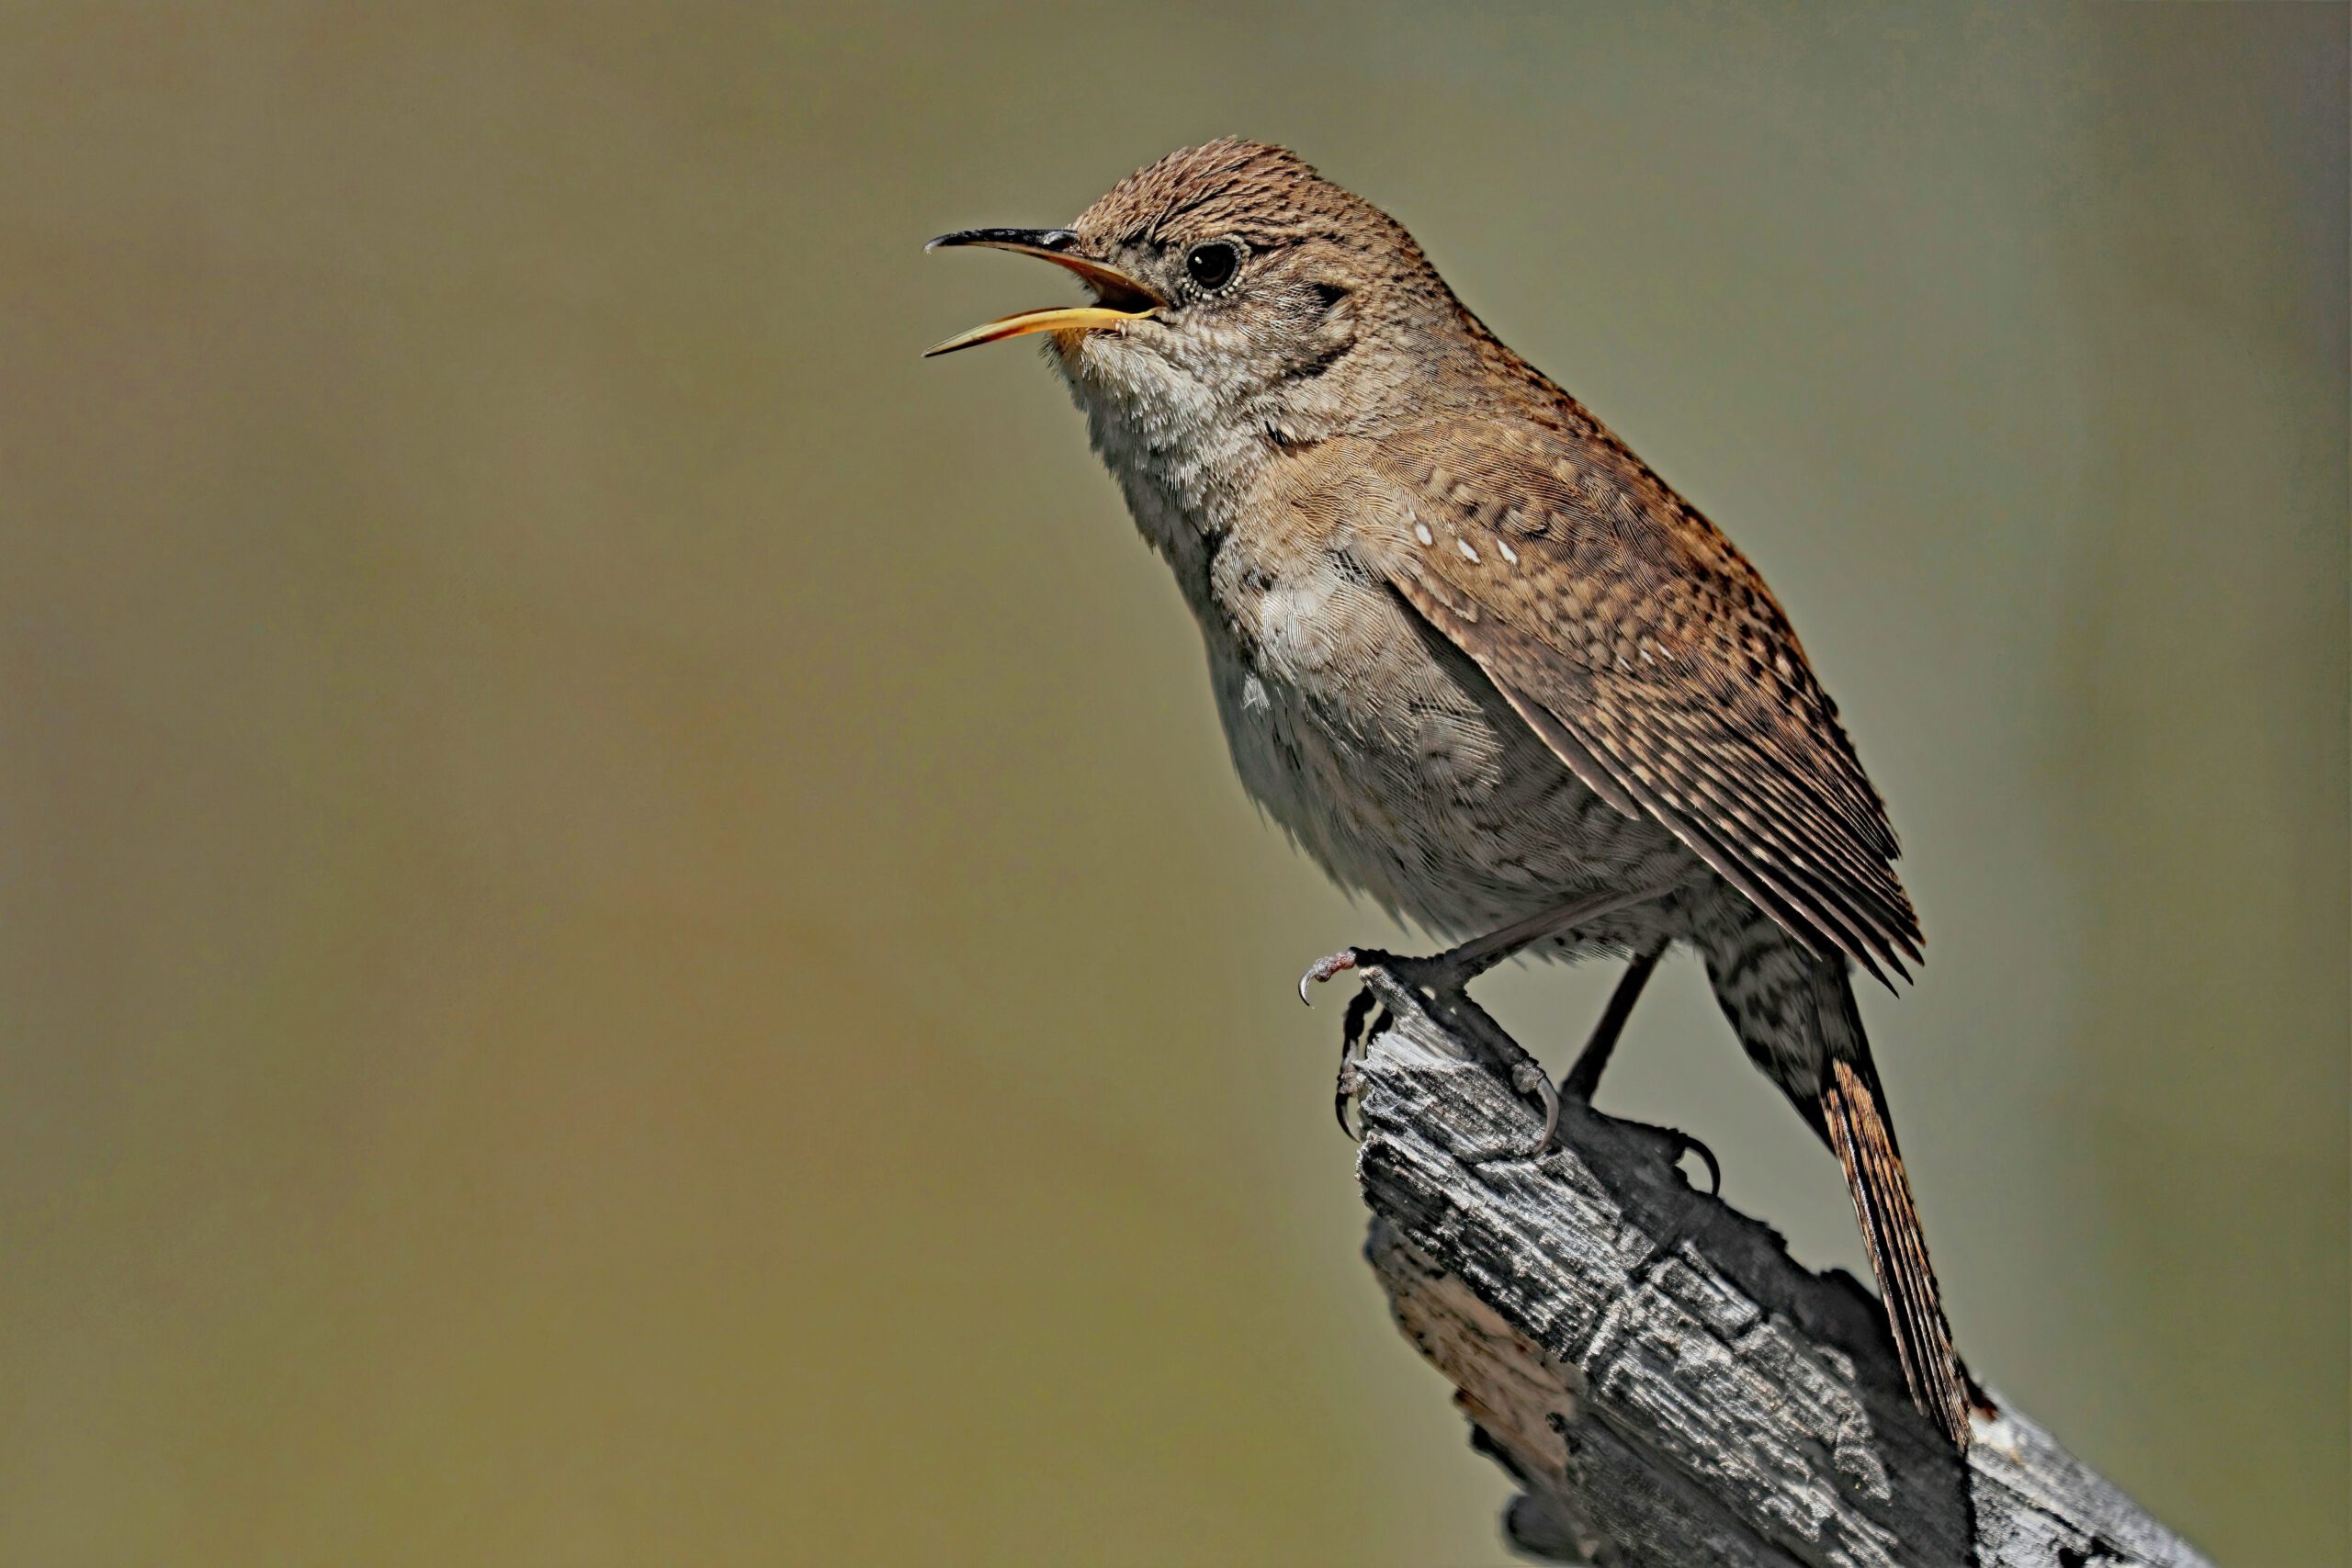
1855	1109
1796	1016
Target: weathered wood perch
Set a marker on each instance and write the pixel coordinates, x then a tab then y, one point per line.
1666	1383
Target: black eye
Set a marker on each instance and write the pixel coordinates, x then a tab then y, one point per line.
1212	265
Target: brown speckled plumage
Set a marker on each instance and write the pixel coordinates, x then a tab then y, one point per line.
1476	657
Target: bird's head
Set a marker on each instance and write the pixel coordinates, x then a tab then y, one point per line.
1234	286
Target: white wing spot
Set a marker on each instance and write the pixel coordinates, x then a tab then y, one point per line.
1421	532
1467	553
1509	553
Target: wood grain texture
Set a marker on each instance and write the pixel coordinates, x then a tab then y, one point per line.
1667	1385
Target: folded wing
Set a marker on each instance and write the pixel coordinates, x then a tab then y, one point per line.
1649	655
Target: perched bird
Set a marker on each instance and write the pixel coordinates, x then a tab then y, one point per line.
1474	656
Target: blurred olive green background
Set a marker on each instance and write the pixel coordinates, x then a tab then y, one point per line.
627	937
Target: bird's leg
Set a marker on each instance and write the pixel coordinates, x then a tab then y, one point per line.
1584	1077
1455	968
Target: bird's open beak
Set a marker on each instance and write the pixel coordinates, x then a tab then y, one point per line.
1122	299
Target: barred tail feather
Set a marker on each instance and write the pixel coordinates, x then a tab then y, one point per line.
1855	1113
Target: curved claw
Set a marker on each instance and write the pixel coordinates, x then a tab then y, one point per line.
1692	1146
1343	1082
1322	969
1527	1077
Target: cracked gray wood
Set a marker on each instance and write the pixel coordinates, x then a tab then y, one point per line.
1666	1383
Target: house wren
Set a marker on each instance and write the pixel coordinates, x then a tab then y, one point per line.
1477	660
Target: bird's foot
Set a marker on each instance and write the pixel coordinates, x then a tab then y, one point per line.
1683	1144
1438	977
1333	963
1529	1077
1691	1145
1348	1083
